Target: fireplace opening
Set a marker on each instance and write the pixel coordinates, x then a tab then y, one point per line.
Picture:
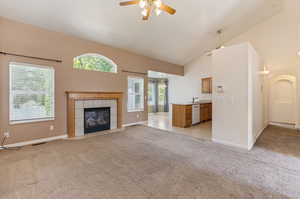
96	119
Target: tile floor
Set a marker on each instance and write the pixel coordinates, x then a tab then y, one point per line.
163	121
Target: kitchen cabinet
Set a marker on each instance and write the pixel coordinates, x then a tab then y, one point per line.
205	112
182	115
207	85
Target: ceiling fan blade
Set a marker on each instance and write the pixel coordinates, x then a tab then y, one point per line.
167	9
127	3
148	14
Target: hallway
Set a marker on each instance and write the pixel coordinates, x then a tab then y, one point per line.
279	140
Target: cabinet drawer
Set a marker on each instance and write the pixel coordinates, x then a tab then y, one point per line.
188	108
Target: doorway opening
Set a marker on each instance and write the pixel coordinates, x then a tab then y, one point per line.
164	91
158	100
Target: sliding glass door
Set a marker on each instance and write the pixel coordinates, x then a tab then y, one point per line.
158	95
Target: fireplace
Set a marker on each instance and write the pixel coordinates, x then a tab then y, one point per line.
96	119
77	101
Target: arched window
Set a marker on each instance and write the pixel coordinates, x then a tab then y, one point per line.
94	62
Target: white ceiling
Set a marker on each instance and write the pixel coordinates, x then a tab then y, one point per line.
154	74
176	39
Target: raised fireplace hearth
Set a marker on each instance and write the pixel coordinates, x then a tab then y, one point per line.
90	112
96	119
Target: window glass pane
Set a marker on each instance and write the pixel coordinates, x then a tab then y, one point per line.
94	62
31	92
137	87
137	102
161	94
135	94
151	93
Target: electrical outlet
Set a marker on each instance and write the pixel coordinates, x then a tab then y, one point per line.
137	115
6	134
51	128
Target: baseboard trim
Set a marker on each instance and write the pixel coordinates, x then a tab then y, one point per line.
133	124
284	125
256	137
230	144
36	141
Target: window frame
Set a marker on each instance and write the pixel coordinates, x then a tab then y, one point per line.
11	121
143	95
100	57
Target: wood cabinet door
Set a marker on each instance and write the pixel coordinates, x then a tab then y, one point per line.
210	112
207	85
210	85
188	116
205	112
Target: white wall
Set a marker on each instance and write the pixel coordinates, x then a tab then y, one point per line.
238	111
183	89
277	41
257	93
230	108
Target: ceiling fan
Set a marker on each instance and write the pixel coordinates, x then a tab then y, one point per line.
149	5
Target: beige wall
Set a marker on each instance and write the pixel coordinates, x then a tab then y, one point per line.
33	41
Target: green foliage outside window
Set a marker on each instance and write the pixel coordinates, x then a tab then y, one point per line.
31	92
95	63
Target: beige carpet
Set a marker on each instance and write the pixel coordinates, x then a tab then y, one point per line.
143	162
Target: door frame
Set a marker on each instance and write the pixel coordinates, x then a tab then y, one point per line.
290	78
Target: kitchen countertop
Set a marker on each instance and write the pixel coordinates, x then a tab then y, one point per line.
191	103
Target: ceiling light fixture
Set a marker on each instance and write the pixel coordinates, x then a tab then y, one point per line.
144	12
157	3
265	71
150	5
219	34
158	11
142	4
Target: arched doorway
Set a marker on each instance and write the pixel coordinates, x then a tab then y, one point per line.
282	100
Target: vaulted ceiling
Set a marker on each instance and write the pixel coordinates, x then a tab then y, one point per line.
176	39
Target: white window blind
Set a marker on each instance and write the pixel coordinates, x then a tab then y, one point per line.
135	94
31	93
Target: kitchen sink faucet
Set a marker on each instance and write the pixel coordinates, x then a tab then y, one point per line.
194	99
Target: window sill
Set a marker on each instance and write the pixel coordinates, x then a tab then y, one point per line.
31	121
137	110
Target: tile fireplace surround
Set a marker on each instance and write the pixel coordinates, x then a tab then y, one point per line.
80	105
78	101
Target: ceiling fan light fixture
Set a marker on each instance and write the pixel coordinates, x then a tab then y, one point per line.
144	12
142	3
149	7
157	11
157	3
